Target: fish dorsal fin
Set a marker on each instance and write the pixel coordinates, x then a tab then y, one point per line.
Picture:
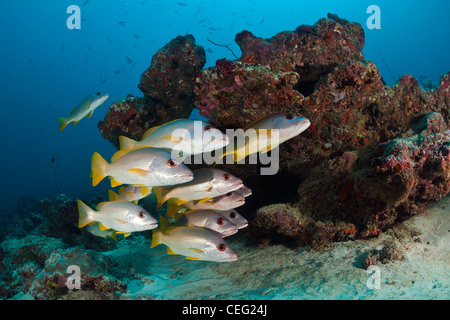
119	154
145	190
151	130
170	251
203	200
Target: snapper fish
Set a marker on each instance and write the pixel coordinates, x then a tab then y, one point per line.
206	184
234	217
121	216
96	231
182	137
264	135
130	193
193	242
244	191
224	202
84	109
208	219
146	167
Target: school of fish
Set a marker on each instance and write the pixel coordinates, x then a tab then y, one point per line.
200	203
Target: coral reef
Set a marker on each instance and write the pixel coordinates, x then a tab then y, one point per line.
168	89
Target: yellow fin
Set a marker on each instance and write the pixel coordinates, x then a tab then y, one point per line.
163	224
125	234
170	251
160	193
172	208
126	143
140	172
172	138
119	154
85	214
146	190
156	233
62	123
203	200
120	220
112	195
90	114
102	227
252	123
98	167
151	130
192	258
113	235
115	183
75	122
121	189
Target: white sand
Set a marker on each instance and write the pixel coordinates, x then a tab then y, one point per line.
277	272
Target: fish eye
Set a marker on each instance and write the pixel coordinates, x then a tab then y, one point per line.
290	116
171	163
226	177
220	221
141	215
232	215
221	247
98	93
208	128
229	194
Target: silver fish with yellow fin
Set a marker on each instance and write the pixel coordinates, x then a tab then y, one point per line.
85	109
140	167
129	193
122	216
207	183
209	219
193	242
97	231
183	137
264	135
224	202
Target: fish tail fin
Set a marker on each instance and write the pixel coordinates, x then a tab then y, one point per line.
62	123
85	214
160	193
98	167
156	237
112	195
172	208
163	224
126	143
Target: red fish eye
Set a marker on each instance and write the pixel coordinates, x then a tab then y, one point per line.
208	128
221	247
141	215
220	221
226	177
171	163
289	116
232	215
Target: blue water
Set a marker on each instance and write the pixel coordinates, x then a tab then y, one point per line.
48	69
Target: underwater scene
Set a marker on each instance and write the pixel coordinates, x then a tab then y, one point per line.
240	151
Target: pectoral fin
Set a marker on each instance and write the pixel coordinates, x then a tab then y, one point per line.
170	251
90	114
203	200
115	183
140	172
102	227
120	220
192	258
173	138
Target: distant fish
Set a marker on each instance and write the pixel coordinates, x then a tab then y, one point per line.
122	23
136	36
192	242
121	216
84	109
181	4
109	40
262	21
208	219
96	231
103	81
143	2
62	47
128	59
129	193
209	50
207	183
140	167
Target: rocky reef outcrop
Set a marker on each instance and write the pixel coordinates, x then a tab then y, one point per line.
374	155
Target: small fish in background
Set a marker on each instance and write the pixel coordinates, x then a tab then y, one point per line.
129	193
181	4
122	23
209	219
121	216
261	22
109	40
85	109
136	36
180	135
193	242
224	202
283	127
207	183
128	60
96	231
140	167
234	217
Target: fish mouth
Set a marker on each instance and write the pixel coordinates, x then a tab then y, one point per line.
242	226
153	225
186	175
303	125
229	232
